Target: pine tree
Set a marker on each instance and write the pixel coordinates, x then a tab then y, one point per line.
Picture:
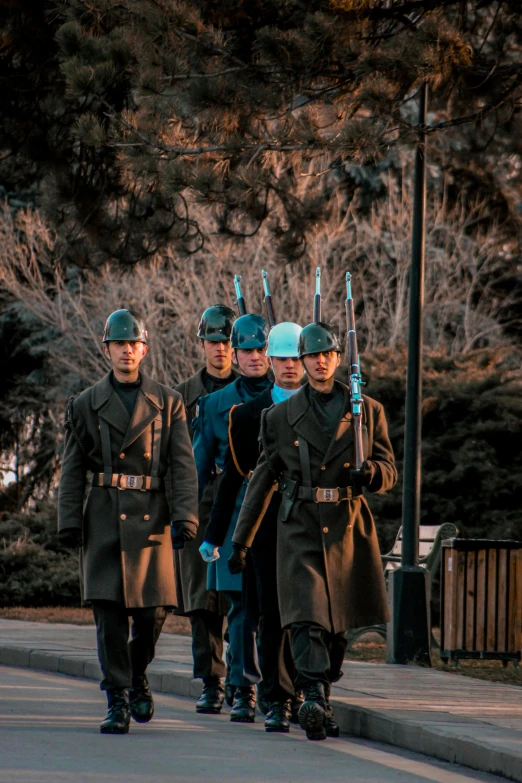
146	110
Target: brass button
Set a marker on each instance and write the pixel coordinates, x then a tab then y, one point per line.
147	455
123	516
122	455
296	443
146	517
323	467
325	530
348	527
346	465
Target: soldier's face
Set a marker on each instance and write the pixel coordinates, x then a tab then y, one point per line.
321	366
288	372
125	357
252	362
217	355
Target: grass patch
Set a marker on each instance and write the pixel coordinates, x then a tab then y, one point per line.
79	616
492	671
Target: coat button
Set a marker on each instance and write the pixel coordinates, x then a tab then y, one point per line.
146	517
348	527
346	465
323	467
147	455
296	443
325	530
122	455
123	516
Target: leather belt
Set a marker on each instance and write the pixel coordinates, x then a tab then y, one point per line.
122	481
325	495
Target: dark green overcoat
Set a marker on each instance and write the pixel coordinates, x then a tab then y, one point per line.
328	562
127	551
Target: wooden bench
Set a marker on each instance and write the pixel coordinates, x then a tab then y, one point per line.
430	540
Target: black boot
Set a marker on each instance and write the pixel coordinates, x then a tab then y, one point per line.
277	717
295	706
140	699
244	707
332	727
312	713
212	696
118	716
263	705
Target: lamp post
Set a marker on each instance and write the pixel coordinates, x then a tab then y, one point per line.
410	628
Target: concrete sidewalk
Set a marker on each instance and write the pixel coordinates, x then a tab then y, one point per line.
470	722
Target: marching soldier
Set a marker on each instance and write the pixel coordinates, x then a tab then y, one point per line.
131	434
249	335
329	570
204	608
260	587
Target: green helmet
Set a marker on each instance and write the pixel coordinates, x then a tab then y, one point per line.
216	324
318	338
250	331
125	325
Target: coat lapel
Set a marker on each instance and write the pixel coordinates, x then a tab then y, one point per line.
109	406
301	417
343	438
148	402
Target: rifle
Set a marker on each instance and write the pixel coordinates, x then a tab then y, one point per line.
268	300
241	306
317	297
356	381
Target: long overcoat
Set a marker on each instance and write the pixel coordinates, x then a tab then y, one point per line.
328	562
127	550
191	570
210	452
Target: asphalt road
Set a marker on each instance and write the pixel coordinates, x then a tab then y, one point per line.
49	734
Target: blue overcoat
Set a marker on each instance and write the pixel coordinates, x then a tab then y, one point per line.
210	451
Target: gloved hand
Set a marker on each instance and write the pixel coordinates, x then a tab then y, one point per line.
70	537
208	552
181	532
365	475
238	559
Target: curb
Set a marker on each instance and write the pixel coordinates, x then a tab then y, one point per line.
436	737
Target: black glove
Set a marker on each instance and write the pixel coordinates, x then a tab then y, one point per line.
238	559
365	475
70	537
182	532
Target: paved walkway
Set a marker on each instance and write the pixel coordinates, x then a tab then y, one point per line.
457	719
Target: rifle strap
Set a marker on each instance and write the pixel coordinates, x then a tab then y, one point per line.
304	457
105	436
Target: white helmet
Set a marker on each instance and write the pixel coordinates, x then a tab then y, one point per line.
283	340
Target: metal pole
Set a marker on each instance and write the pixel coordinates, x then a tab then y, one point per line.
412	429
409	631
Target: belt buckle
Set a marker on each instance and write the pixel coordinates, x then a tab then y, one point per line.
326	495
130	482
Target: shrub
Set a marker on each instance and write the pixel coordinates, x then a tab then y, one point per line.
34	569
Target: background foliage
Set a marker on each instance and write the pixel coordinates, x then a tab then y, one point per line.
151	149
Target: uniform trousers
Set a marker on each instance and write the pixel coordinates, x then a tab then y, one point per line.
207	644
318	654
123	660
242	655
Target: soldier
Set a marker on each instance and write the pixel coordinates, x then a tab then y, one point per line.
249	335
260	587
131	433
204	608
329	570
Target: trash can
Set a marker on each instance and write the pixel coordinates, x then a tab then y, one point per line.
481	600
